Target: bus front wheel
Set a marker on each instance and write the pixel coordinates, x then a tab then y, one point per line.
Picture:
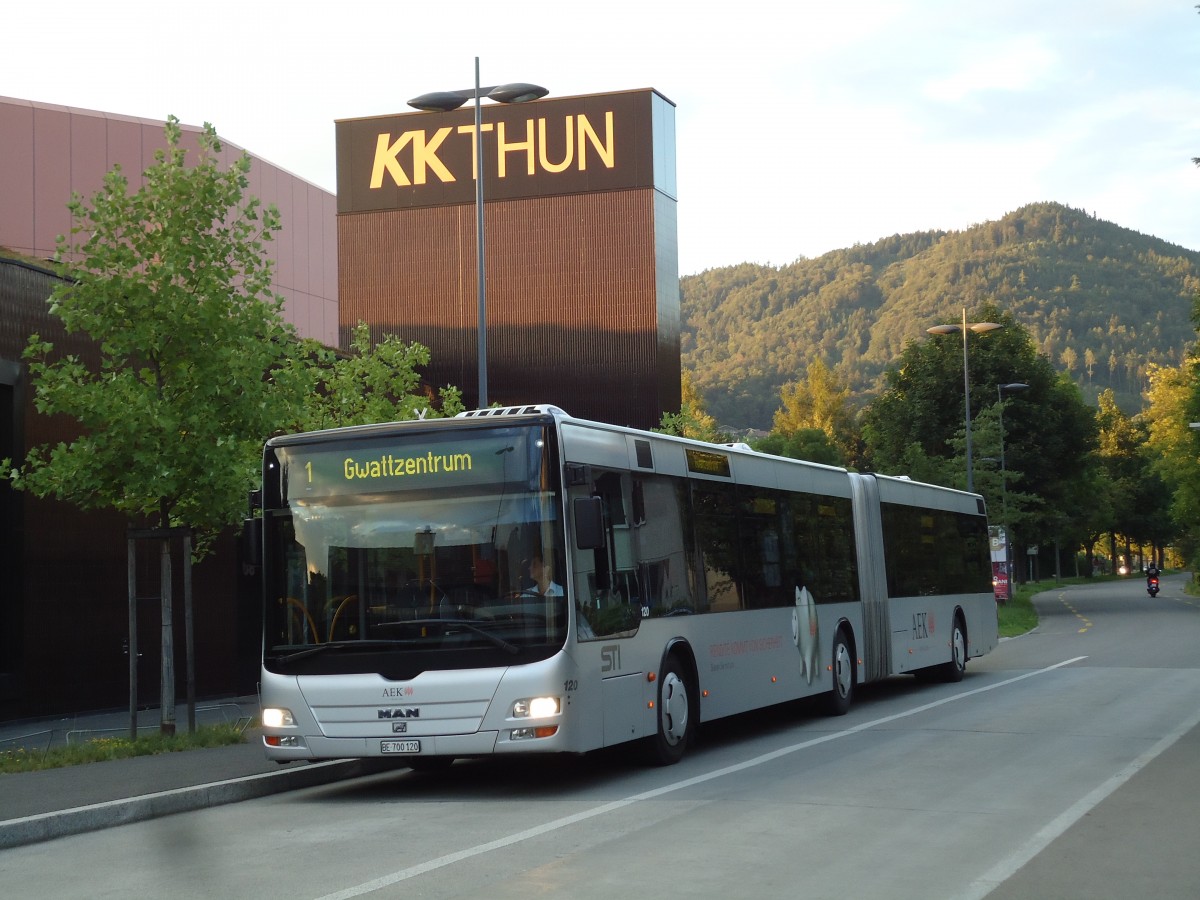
677	713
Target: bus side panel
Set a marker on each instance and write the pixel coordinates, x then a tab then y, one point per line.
921	631
983	628
625	709
744	660
923	627
611	702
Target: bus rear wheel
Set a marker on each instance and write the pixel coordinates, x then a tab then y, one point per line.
677	712
842	696
954	670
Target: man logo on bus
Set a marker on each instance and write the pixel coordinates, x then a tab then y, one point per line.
407	713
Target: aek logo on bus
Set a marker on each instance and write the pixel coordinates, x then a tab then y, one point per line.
923	625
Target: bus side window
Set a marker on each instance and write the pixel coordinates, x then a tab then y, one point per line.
761	517
663	548
714	509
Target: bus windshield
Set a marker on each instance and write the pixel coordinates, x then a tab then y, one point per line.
436	548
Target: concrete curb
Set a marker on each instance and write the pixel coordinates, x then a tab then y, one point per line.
47	826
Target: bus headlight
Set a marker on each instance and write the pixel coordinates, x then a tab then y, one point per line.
536	708
278	718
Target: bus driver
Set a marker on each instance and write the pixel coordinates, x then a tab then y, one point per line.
542	574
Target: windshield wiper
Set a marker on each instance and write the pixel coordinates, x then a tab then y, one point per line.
466	624
474	629
333	645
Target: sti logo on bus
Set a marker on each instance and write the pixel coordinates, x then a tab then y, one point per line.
407	713
610	658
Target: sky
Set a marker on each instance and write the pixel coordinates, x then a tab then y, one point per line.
801	127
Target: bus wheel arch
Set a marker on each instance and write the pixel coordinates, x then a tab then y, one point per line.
844	669
677	705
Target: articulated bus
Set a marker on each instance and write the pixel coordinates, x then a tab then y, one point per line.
515	580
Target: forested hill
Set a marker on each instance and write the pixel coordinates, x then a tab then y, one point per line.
1101	302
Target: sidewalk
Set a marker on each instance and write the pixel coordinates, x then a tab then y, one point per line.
39	806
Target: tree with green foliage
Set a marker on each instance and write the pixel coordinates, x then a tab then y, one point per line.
1125	468
172	284
692	420
811	444
1049	431
1171	446
819	401
371	383
1008	504
1116	451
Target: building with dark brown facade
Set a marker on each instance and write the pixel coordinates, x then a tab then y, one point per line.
582	274
63	586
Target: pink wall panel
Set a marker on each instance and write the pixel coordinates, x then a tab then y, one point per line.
329	238
125	147
46	152
313	236
285	254
295	232
89	154
16	176
51	176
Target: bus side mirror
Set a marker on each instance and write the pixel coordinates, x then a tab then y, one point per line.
252	541
589	523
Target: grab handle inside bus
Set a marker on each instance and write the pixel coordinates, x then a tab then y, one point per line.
589	523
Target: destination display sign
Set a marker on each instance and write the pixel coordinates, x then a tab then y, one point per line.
705	462
314	470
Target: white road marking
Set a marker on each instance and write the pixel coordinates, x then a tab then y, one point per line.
1009	866
451	858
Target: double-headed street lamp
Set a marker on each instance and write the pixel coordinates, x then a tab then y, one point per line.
446	101
977	327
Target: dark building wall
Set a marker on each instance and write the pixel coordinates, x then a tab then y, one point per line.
63	585
581	252
574	312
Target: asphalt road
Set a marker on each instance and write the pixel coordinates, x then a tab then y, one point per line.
1064	765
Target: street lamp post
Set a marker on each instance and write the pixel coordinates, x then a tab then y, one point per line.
446	101
1001	389
978	327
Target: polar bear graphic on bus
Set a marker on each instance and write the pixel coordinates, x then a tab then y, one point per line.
805	633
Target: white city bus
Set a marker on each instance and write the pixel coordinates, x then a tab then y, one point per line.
516	580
